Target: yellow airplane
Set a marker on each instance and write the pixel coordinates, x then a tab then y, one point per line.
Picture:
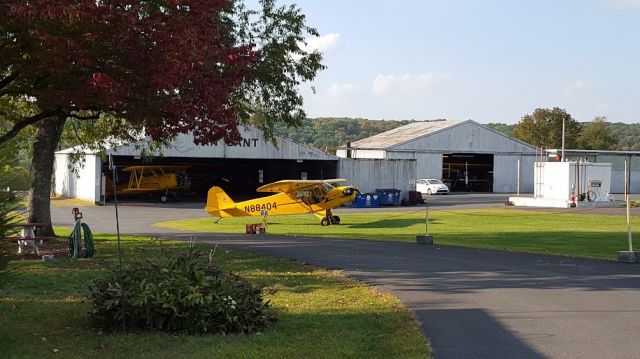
152	179
292	197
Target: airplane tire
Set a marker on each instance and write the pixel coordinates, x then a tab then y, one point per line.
164	198
325	222
335	220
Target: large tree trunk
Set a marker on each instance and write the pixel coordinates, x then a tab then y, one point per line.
47	137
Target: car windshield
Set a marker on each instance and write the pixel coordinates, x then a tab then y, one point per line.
434	182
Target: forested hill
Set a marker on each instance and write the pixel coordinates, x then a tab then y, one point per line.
330	133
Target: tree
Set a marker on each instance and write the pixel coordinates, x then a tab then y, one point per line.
544	128
163	66
597	135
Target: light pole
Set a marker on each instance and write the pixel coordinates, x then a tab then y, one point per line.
563	140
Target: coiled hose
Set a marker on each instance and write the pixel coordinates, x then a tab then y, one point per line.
81	231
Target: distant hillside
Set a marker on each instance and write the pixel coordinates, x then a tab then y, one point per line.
332	132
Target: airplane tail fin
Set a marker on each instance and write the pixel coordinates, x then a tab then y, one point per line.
217	201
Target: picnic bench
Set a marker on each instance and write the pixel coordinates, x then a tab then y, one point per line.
27	230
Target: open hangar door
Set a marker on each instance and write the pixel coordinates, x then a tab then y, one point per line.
238	177
468	172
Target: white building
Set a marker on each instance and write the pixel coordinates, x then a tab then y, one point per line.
465	154
240	168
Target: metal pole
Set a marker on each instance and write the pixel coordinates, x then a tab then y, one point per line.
626	198
563	140
426	222
115	201
518	180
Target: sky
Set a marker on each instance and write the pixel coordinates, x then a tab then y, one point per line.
489	60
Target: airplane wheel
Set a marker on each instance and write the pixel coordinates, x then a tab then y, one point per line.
335	219
325	222
164	198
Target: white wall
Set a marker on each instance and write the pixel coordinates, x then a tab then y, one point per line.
369	175
505	173
83	183
252	145
556	180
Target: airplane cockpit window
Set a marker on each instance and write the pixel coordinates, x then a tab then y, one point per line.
309	196
327	187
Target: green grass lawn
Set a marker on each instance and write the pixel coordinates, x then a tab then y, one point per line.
321	314
505	229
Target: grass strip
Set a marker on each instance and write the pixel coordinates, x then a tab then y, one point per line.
577	235
321	313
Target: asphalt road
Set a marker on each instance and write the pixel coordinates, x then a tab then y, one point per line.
470	303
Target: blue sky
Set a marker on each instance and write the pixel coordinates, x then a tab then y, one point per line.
490	60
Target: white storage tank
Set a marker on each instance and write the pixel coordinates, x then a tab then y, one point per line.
572	181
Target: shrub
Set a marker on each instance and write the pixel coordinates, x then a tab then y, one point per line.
178	292
8	213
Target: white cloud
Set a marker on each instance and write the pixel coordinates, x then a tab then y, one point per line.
576	86
340	89
321	43
387	84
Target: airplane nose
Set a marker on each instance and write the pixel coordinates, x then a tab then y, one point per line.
351	190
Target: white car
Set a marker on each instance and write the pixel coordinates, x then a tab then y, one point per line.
431	186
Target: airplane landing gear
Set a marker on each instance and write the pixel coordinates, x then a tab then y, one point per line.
329	218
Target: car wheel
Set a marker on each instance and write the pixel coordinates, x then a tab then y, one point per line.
429	191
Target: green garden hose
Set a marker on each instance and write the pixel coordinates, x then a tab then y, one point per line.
81	231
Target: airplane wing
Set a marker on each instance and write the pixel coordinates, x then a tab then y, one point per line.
289	186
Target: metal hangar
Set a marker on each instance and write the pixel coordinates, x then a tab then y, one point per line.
239	169
465	154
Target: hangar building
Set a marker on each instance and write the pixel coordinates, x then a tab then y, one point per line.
239	169
465	154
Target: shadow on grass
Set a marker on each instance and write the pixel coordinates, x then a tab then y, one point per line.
393	223
323	333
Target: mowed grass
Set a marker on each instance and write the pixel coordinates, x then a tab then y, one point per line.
321	314
560	233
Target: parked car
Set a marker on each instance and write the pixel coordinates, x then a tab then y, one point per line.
431	186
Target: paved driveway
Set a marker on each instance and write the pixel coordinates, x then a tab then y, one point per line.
471	303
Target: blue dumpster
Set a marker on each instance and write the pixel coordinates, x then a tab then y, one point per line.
389	196
366	200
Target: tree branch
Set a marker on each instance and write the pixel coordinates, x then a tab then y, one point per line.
95	116
26	122
8	80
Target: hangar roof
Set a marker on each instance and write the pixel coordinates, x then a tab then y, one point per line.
253	145
404	133
398	137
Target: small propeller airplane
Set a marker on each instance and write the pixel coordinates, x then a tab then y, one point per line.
316	197
152	179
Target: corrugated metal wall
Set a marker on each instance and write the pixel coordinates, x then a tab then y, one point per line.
505	173
467	137
371	174
252	146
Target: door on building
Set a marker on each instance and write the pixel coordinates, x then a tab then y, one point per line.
468	172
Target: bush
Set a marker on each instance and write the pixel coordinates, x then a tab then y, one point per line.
178	292
8	213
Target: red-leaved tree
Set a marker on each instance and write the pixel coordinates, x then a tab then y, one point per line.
164	66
